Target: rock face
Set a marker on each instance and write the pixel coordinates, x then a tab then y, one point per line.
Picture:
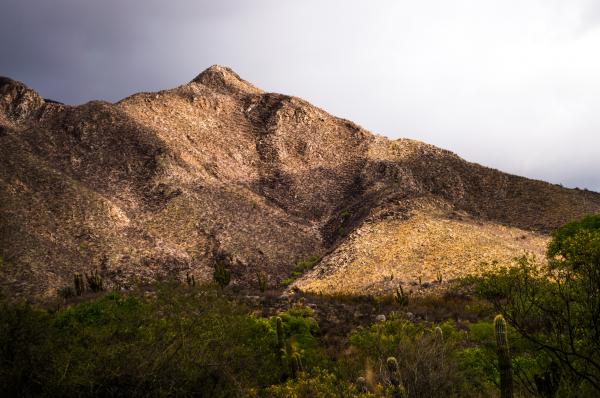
161	184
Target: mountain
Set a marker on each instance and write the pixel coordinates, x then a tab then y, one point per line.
161	184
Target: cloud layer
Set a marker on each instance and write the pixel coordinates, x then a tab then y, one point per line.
512	85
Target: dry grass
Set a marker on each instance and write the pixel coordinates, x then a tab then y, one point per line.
378	256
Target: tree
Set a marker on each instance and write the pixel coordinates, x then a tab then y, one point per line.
556	305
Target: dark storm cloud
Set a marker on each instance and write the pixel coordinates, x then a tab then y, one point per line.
77	50
512	85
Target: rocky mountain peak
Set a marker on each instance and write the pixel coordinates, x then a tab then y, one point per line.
17	101
225	80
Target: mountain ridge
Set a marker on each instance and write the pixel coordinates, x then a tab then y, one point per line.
160	184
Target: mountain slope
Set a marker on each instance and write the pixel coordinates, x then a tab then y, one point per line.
161	184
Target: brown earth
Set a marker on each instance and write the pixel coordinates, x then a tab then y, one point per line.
161	184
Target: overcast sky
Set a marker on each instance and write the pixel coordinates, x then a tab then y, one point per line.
509	84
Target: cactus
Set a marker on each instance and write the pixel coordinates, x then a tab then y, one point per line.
295	365
401	297
95	282
222	275
190	279
287	351
398	390
280	337
439	277
79	284
262	281
548	382
294	360
439	334
504	361
66	292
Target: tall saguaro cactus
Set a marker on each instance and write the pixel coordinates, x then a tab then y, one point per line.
280	337
190	279
222	275
504	361
79	283
94	281
262	281
401	297
287	352
439	334
295	365
398	390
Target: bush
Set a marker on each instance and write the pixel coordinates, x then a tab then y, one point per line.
424	355
300	327
173	341
307	263
25	349
556	306
183	342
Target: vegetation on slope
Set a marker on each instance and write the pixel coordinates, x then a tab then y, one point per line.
176	340
429	245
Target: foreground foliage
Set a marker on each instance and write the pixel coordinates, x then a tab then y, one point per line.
557	308
188	340
180	342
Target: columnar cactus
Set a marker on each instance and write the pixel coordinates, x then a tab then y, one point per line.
295	365
286	351
262	281
547	383
439	334
398	390
280	337
401	297
66	292
79	284
504	361
94	281
222	275
190	279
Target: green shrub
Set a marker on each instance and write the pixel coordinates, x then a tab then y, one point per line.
300	328
426	362
182	342
307	263
25	349
555	306
287	281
